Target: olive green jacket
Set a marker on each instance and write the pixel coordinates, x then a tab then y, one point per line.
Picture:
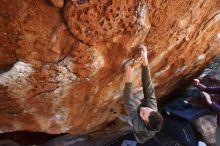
132	106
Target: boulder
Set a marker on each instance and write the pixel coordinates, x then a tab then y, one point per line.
62	70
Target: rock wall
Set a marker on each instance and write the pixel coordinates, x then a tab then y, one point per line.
62	61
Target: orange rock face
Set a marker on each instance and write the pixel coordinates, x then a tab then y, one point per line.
62	64
57	3
107	21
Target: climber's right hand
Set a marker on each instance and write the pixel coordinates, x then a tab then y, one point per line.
129	73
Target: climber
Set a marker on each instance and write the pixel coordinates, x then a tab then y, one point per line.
214	105
144	118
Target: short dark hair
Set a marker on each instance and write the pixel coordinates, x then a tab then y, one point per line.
155	121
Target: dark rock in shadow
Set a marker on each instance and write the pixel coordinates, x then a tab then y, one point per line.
8	143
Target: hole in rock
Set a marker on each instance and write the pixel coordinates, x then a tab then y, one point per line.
7	67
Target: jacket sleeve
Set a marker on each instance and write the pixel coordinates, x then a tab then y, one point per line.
148	89
216	107
131	104
213	90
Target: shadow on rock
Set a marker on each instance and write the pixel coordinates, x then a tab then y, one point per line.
66	140
8	143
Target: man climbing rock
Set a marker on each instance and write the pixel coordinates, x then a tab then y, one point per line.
144	118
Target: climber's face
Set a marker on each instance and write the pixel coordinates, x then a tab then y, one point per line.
145	112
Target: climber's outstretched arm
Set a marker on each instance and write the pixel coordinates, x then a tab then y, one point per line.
130	103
